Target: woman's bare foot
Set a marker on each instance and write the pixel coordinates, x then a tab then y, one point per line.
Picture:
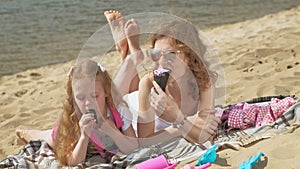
132	32
116	22
27	135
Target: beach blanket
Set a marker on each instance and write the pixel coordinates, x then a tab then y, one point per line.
287	122
38	154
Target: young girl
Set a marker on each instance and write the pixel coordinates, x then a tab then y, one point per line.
90	88
80	134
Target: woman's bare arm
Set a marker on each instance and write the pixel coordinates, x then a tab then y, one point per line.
146	115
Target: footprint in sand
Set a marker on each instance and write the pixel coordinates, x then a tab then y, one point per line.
297	74
24	114
263	52
20	76
8	116
46	109
34	74
289	78
22	82
277	70
7	101
267	74
20	93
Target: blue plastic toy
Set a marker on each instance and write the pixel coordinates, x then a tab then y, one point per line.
251	161
209	156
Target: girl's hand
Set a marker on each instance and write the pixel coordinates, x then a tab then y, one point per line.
164	104
86	123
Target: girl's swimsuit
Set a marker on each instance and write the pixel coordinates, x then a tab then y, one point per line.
100	143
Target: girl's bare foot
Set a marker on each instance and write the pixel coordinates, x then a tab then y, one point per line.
27	135
116	22
23	135
132	32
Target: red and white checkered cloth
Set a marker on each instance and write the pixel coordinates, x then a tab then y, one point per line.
244	115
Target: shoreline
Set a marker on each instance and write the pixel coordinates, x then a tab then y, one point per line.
260	58
39	57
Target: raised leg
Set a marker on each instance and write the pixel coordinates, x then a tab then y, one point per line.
127	78
116	21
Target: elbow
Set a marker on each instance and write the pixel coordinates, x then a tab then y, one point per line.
72	162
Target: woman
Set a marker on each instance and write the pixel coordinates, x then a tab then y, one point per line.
188	102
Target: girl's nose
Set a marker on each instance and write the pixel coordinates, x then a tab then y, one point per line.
88	104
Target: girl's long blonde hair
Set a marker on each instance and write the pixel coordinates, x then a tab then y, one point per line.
67	134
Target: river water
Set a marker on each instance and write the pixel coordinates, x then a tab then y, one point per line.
37	33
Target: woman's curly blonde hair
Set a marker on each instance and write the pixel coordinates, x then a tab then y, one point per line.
185	38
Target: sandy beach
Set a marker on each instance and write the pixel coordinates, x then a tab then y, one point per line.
260	57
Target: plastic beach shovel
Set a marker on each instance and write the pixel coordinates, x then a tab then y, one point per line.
209	156
159	162
251	161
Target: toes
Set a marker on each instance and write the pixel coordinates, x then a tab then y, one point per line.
21	135
112	15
